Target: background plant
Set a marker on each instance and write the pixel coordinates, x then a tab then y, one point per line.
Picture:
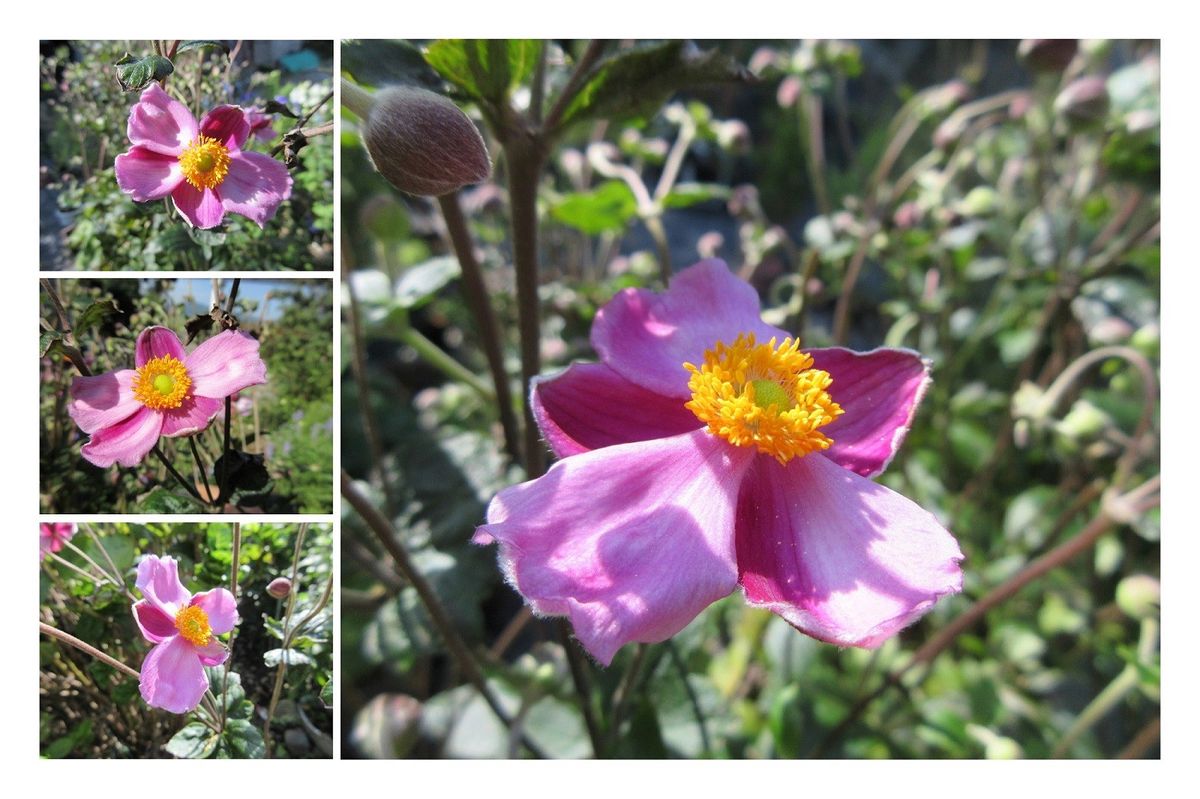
281	433
88	223
91	709
998	212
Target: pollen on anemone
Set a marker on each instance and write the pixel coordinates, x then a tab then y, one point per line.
707	451
184	630
200	166
170	393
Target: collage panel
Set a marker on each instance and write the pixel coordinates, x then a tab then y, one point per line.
186	640
188	395
186	155
750	399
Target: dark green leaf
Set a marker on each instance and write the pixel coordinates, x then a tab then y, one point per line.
95	313
50	343
134	73
201	44
195	741
327	694
607	208
247	471
276	107
638	80
385	62
292	657
163	500
80	736
244	739
685	194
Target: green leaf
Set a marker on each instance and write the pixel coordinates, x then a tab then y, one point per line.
687	194
638	80
81	735
484	69
163	500
384	62
418	284
201	44
607	208
193	742
50	342
244	739
327	694
96	312
134	73
292	657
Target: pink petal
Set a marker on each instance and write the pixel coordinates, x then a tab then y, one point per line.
225	363
156	626
255	186
227	124
630	541
200	208
214	653
160	123
126	442
103	400
879	392
158	580
841	558
172	677
146	175
192	416
648	337
220	607
588	406
158	342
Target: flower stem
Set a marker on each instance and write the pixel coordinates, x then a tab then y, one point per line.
486	323
87	528
67	638
583	68
283	655
356	99
202	468
456	646
191	489
223	496
436	357
59	559
621	695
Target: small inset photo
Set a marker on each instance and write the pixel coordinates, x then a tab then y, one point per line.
186	396
182	155
186	641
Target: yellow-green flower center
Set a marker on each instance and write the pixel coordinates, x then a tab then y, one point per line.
205	162
192	623
162	383
763	396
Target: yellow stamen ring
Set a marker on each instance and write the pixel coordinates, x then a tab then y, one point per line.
162	383
763	396
192	623
205	162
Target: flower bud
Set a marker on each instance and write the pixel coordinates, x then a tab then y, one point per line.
1047	55
1139	596
280	587
1084	101
423	143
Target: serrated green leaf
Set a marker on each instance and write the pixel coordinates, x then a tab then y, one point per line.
292	657
134	73
201	44
193	742
49	342
385	62
96	312
327	694
484	69
607	208
244	739
638	80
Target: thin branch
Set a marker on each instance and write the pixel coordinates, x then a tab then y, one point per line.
67	638
583	68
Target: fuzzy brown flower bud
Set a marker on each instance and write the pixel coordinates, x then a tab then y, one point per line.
423	143
1084	102
280	587
1047	55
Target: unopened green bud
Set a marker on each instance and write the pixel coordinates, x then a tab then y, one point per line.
423	143
1084	422
1139	596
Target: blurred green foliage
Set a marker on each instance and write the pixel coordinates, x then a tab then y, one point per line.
90	710
941	196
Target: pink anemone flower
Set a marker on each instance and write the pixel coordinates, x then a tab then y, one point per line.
54	536
170	393
707	451
202	167
184	630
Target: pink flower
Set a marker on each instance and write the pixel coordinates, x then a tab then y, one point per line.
202	167
697	458
183	629
170	393
260	124
54	536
